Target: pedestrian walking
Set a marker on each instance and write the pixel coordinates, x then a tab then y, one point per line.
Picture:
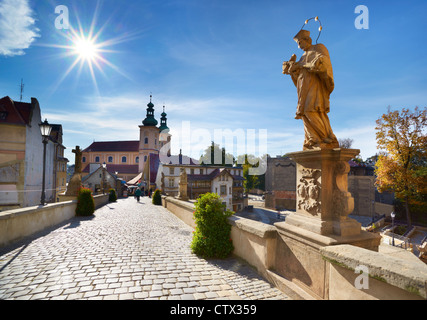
137	194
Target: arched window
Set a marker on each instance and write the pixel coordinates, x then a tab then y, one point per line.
124	159
83	159
110	159
146	140
96	159
137	160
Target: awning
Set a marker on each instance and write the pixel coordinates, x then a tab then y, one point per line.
135	180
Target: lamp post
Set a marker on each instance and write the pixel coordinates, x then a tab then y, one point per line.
45	129
392	226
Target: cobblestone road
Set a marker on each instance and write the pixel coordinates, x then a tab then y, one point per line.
127	250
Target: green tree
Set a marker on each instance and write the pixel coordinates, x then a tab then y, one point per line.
216	156
401	166
157	198
211	239
85	202
252	181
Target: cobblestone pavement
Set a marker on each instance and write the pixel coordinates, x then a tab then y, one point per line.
127	250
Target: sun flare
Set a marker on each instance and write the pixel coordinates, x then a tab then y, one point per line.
85	49
88	49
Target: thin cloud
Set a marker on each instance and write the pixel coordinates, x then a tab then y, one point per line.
17	27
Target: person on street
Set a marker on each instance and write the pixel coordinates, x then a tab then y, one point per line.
137	194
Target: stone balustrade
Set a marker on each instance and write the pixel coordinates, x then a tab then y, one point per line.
19	223
389	277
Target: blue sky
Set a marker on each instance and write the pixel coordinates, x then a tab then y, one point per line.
213	64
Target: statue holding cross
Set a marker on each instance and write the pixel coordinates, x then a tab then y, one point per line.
76	180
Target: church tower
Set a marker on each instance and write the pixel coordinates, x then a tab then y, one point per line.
148	137
165	136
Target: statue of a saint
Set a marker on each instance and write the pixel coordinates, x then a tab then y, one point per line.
313	78
183	185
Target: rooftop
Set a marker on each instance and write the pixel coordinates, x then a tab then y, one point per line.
113	146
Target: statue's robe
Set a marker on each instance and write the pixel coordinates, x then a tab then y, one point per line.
314	83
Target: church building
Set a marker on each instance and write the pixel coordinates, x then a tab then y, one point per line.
128	159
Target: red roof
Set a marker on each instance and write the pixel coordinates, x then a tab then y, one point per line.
113	146
120	168
15	112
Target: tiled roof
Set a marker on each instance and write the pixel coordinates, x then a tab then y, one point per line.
179	159
120	168
113	146
355	164
211	176
16	112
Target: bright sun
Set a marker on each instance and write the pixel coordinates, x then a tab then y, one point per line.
85	49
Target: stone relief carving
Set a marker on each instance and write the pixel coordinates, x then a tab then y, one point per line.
309	191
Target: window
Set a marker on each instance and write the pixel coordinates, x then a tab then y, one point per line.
137	160
201	171
96	159
191	171
171	182
223	190
124	159
145	158
110	159
171	170
83	159
146	140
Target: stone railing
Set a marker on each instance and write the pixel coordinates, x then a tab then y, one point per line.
357	273
261	246
19	223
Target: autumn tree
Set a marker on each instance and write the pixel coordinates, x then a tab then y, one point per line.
401	166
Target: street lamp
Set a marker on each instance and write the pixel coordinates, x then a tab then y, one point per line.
392	226
45	129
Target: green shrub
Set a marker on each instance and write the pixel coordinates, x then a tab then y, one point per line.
112	197
212	236
85	202
157	198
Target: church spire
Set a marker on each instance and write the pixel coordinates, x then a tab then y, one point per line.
149	119
163	121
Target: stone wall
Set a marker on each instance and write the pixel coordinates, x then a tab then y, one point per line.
357	273
262	247
19	223
280	183
363	191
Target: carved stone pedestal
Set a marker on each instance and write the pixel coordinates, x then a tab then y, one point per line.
323	200
321	219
